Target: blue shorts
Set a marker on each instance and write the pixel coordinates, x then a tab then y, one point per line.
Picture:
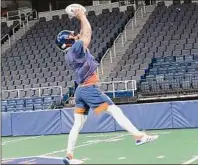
87	97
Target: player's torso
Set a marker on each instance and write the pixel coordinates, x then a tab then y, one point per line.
83	66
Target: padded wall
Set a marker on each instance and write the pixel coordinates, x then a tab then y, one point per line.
6	127
148	116
36	123
144	116
185	114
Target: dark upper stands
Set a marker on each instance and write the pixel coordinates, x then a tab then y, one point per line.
5	29
35	62
168	32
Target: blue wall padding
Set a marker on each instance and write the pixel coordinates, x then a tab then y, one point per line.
36	123
67	117
6	128
185	114
148	116
99	123
144	116
94	123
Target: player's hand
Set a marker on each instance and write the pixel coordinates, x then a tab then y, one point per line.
79	13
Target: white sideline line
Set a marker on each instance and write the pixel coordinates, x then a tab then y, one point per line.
63	150
16	140
191	160
19	158
83	145
54	157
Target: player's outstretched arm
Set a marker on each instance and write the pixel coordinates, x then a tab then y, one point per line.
86	32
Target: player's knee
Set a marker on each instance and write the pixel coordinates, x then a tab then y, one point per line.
78	124
113	109
79	121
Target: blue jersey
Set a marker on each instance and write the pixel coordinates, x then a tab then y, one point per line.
81	62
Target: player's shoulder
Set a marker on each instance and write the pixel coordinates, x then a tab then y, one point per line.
77	47
77	44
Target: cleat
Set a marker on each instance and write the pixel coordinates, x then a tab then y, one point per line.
146	139
66	160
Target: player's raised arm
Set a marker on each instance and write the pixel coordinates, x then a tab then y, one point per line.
86	32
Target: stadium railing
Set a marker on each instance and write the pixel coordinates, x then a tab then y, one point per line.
123	35
35	89
4	37
129	90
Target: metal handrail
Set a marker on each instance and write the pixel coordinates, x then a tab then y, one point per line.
114	51
4	36
133	86
125	81
11	12
39	89
27	16
8	38
19	24
114	43
102	69
131	21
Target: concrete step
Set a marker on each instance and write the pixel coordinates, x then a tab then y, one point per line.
131	33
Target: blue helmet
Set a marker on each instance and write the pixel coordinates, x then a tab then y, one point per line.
63	42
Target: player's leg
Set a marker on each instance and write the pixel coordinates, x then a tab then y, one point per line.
100	102
79	121
126	124
80	117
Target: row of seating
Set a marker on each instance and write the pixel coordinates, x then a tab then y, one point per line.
35	61
29	104
164	51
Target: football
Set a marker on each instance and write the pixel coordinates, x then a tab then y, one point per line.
70	9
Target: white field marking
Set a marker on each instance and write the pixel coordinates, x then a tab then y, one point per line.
159	133
99	140
83	145
191	160
121	158
152	133
102	135
160	157
19	158
50	157
91	141
85	159
76	161
63	150
21	139
5	161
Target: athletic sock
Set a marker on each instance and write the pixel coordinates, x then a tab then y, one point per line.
123	121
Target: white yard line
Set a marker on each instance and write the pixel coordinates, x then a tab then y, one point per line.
20	139
121	158
191	160
87	144
63	150
159	133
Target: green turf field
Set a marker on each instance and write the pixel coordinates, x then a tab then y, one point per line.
173	146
